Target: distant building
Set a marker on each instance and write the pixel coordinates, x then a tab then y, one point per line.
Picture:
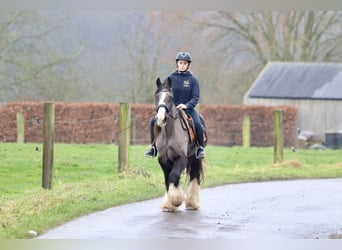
314	88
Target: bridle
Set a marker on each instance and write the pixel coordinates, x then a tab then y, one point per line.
168	108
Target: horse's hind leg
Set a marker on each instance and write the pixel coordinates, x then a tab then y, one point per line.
192	200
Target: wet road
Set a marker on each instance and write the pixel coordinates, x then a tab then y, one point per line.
299	209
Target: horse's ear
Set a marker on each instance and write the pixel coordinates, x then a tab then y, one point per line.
169	83
158	82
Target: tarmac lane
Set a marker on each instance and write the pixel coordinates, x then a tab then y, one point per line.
296	209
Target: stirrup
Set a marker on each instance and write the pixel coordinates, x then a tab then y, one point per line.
151	153
200	154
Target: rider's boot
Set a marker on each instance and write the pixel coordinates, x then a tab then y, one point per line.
152	152
200	152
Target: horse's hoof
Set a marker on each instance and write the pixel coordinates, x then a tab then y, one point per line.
169	209
192	207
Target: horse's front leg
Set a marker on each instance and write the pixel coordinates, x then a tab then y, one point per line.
166	167
174	196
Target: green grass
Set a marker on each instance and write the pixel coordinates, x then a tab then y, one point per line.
86	179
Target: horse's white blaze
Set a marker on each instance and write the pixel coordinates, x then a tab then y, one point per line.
176	195
161	117
192	200
161	111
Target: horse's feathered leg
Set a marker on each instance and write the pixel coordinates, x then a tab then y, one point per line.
174	192
192	200
166	204
174	196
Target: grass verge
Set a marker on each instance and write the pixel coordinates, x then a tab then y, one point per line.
86	179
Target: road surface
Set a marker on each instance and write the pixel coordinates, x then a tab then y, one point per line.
298	209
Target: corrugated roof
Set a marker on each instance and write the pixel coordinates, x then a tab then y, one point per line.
298	80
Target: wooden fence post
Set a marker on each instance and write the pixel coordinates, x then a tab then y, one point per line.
278	135
246	131
124	136
48	145
20	128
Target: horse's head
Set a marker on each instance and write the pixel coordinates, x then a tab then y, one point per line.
164	100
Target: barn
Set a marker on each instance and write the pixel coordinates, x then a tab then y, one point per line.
315	89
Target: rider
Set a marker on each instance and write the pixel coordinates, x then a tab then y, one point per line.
186	94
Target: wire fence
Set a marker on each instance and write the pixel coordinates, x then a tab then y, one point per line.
99	123
89	126
106	129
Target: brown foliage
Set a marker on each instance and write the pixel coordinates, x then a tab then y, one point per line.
99	123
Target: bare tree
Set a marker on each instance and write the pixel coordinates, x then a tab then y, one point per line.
282	36
236	45
140	48
116	56
31	59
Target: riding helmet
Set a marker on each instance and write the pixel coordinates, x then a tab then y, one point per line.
185	56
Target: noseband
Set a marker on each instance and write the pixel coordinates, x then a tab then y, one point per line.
162	106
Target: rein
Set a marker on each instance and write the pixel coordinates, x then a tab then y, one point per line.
174	117
180	114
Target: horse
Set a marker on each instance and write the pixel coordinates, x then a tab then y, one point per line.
176	152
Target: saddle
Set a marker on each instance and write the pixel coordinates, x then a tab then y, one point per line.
190	127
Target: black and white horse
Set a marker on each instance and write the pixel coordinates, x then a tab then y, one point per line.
176	152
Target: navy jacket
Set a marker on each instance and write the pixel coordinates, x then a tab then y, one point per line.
185	89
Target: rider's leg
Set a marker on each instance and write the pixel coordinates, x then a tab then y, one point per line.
152	152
